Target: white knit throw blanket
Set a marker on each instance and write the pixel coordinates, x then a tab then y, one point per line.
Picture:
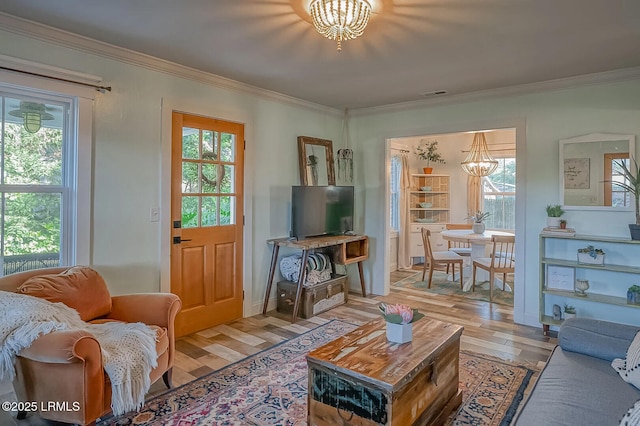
128	349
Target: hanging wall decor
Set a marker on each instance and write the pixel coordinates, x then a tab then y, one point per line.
345	164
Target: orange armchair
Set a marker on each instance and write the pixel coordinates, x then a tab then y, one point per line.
66	366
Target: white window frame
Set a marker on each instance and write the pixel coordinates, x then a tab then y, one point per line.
500	194
77	224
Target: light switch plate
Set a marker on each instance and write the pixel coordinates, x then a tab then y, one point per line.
154	214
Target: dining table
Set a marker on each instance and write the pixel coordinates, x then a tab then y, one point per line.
479	244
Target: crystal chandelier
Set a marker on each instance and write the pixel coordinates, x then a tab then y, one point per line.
479	162
340	19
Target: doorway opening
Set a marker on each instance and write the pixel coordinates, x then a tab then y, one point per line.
446	197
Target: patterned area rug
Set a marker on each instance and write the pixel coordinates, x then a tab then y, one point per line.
441	285
270	388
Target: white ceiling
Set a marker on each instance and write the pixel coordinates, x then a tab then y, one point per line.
410	46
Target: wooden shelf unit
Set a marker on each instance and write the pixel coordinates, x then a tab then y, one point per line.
433	217
564	254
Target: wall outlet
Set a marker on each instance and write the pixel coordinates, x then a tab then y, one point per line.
154	214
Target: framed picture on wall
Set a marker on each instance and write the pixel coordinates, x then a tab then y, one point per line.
576	173
560	277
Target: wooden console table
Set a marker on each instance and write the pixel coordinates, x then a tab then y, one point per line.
347	249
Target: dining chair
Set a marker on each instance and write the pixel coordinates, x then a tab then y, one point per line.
439	258
463	248
502	261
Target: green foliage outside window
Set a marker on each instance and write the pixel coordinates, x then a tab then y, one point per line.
31	220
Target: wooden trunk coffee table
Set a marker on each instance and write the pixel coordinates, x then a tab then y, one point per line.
363	379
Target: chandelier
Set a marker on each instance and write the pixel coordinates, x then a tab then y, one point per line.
479	162
32	114
340	19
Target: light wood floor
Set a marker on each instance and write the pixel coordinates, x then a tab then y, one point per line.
488	329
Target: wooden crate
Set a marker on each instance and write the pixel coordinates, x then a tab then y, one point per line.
363	379
315	299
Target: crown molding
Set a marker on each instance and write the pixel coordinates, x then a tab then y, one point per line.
88	45
84	44
522	89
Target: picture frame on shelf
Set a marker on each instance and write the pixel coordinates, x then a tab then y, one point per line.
560	278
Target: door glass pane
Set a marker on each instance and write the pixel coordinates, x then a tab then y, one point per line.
209	211
209	145
33	137
190	143
209	178
226	186
227	147
190	177
190	212
227	210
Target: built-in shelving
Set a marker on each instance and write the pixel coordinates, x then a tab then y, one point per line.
606	284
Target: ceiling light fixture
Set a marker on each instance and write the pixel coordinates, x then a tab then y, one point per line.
32	114
479	162
340	19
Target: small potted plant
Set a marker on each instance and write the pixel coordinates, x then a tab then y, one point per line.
563	224
428	150
478	225
633	295
554	211
399	320
591	255
569	311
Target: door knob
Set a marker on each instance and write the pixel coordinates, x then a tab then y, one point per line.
178	240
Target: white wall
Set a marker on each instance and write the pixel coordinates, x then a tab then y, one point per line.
128	161
128	153
541	120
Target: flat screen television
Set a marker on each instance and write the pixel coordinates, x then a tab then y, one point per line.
321	210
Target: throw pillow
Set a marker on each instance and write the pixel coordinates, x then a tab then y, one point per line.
629	368
632	418
80	287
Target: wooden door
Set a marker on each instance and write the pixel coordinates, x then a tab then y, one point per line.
207	218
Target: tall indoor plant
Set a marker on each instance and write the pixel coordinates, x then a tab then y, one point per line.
631	174
428	150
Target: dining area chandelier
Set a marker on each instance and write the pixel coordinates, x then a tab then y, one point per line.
340	20
479	161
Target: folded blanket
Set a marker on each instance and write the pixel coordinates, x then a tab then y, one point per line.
128	349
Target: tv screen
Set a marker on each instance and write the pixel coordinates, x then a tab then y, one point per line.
321	210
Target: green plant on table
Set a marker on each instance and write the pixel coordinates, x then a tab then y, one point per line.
568	309
554	210
428	150
479	216
634	289
631	184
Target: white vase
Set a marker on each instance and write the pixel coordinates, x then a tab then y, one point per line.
553	222
399	333
477	227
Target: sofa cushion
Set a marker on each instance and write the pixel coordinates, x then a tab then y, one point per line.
632	417
577	389
601	339
80	287
629	367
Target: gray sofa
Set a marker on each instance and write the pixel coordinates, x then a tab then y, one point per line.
578	386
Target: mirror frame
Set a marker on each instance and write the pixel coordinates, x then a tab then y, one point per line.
303	141
590	138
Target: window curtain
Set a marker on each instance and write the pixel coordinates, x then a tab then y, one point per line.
474	194
404	243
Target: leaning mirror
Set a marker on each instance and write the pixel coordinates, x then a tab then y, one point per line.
587	168
316	161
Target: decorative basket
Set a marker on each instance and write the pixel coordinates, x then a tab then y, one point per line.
588	259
